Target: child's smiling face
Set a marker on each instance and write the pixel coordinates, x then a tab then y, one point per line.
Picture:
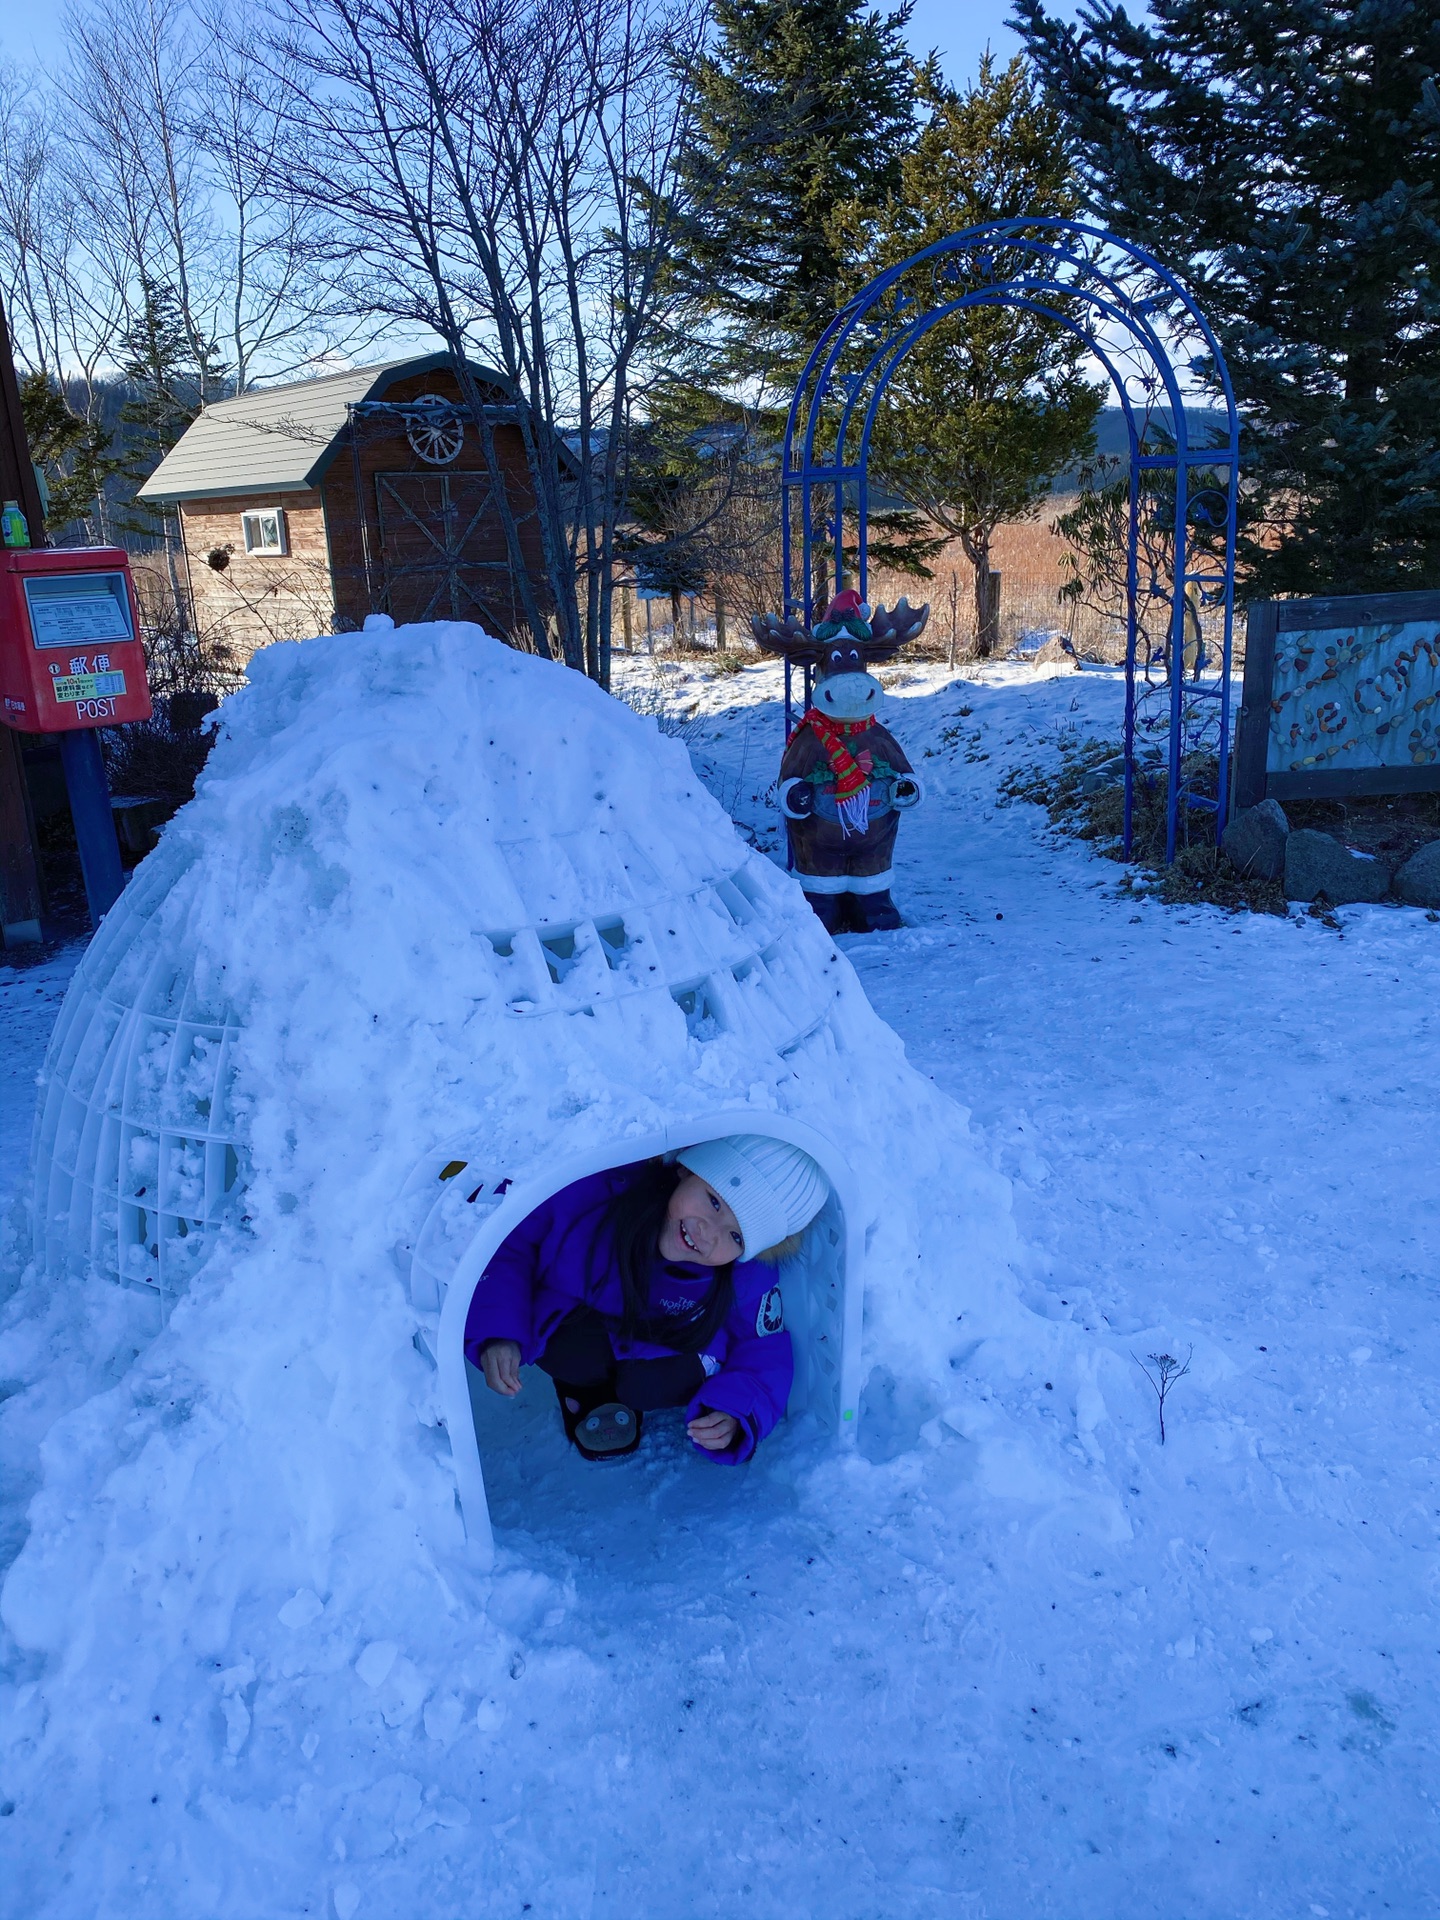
699	1227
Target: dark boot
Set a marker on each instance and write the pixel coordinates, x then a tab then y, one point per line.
605	1432
596	1425
576	1401
829	910
876	912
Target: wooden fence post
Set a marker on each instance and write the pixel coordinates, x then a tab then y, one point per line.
20	895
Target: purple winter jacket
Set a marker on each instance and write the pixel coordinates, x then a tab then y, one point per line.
559	1258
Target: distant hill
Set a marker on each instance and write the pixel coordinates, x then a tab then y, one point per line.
1206	426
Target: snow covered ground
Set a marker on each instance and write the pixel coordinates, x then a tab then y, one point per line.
30	997
1184	1682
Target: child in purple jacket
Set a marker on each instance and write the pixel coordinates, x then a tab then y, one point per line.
654	1286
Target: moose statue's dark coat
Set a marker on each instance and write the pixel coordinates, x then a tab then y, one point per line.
844	780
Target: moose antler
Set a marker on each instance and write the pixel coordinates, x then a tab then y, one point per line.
790	637
888	633
895	630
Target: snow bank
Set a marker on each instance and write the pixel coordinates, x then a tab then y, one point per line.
253	1533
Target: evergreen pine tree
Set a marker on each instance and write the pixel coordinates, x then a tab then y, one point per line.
171	380
804	104
990	406
1284	156
72	453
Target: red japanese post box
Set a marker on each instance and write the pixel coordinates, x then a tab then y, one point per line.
70	653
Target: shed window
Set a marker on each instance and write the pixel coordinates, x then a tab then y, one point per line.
264	531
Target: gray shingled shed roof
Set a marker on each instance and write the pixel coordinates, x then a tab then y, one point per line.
276	439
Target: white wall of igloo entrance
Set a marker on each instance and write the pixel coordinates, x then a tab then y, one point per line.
473	1206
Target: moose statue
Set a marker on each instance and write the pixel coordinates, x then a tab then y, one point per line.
844	781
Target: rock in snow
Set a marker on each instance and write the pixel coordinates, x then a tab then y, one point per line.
1317	863
1254	841
1418	881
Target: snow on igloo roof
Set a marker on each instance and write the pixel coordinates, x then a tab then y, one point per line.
410	846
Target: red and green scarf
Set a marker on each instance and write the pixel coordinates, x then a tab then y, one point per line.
852	782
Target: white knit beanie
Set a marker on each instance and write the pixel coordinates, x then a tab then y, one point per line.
772	1189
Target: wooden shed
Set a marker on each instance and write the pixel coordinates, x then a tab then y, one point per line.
306	506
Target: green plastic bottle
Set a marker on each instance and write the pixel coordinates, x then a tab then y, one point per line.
14	529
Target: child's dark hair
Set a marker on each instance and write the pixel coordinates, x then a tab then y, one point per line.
634	1220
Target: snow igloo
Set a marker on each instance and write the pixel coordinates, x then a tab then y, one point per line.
445	928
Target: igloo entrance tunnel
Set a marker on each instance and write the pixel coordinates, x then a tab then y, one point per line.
444	929
466	1224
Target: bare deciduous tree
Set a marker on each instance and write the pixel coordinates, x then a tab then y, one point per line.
142	178
275	309
505	172
179	126
132	80
65	314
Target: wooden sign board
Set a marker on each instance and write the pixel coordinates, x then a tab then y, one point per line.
1342	696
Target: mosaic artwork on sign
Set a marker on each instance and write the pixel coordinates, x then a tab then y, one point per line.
1366	696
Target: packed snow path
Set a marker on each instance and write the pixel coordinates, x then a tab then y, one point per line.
878	1685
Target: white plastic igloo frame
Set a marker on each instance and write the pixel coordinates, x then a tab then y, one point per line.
478	1206
136	1150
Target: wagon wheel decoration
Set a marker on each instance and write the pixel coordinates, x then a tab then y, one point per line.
435	431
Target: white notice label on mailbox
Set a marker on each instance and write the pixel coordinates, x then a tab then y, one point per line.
70	619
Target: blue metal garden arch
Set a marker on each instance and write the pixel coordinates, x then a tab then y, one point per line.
1108	292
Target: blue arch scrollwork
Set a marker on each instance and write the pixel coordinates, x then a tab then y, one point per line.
1108	292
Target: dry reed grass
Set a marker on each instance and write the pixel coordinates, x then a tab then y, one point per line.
1030	558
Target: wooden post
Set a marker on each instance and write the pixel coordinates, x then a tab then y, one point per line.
17	470
720	636
20	891
20	895
987	611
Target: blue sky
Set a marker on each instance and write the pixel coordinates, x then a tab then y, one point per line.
960	29
28	34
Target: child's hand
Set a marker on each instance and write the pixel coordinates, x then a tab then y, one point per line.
713	1431
500	1363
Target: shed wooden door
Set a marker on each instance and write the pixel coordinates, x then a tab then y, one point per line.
443	549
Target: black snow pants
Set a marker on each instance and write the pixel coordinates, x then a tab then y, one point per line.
581	1361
